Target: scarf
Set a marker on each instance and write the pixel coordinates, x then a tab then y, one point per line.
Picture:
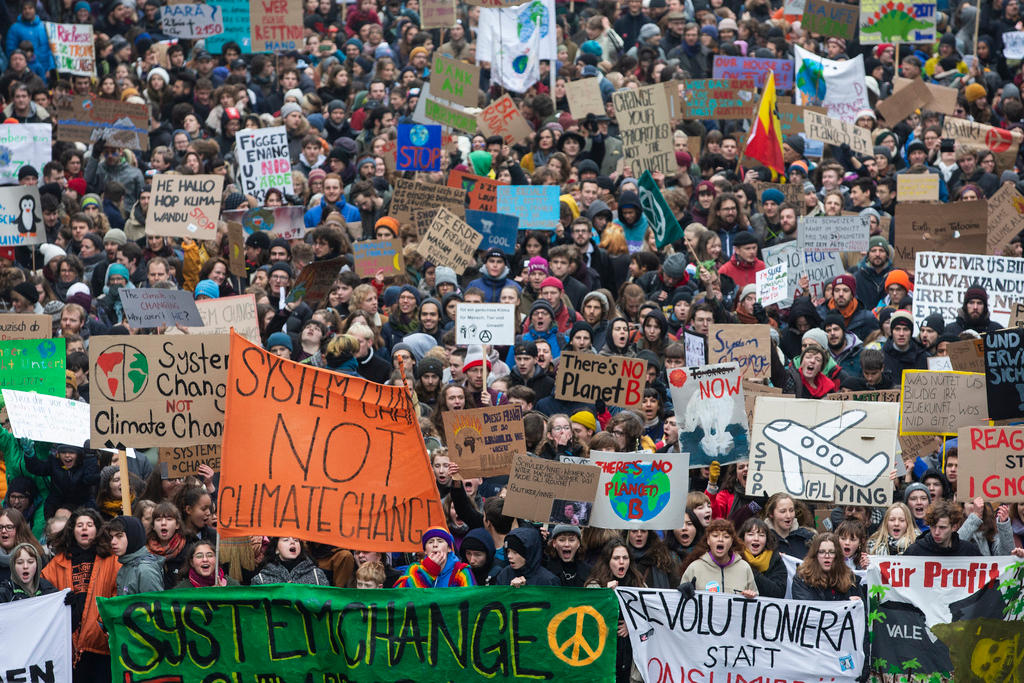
205	581
112	507
173	547
825	385
758	562
847	311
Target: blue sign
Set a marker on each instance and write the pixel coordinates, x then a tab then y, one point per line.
499	229
419	147
236	27
536	205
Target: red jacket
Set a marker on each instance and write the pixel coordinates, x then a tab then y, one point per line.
740	272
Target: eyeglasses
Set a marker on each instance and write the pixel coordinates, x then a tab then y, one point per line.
617	432
7	527
279	278
827	553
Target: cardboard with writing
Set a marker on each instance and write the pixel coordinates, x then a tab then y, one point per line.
481	191
832	131
185	206
1005	218
89	120
1002	143
917	187
791	117
435	111
747	345
837	19
279	221
967	355
191	20
754	69
236	250
456	81
437	13
954	227
1017	315
25	326
276	26
876	396
645	129
411	196
373	255
586	377
264	162
148	307
717	98
502	117
483	441
584	98
449	242
941	402
313	283
941	98
222	315
991	463
1004	373
182	461
539	489
821	267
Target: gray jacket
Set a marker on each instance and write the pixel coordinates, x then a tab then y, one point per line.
1002	544
141	572
97	176
304	572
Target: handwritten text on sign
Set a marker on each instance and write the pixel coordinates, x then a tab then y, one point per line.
941	402
747	345
645	129
485	324
587	377
1004	373
992	463
482	441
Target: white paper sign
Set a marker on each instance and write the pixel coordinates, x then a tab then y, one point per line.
940	363
36	637
640	490
1013	45
264	162
47	418
189	20
941	279
493	324
27	144
834	233
773	284
820	267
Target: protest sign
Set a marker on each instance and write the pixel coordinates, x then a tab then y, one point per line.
437	13
1016	315
150	307
51	419
710	411
33	365
940	363
276	26
485	324
876	396
772	284
536	205
191	20
979	136
455	81
836	132
836	85
738	68
820	267
747	345
315	280
499	229
21	216
369	485
719	99
28	144
1013	44
584	98
640	490
941	402
837	19
185	206
25	326
657	211
791	117
483	441
967	355
547	491
221	315
37	638
277	221
586	377
264	162
151	390
1005	218
502	117
182	461
833	233
418	148
954	227
903	102
823	450
917	187
373	255
941	98
940	281
696	353
984	645
714	636
89	120
449	242
793	193
645	129
472	634
1004	373
991	463
429	108
73	48
237	19
481	191
882	21
411	195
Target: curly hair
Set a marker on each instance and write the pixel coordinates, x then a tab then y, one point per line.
839	577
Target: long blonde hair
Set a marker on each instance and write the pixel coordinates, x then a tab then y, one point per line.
878	542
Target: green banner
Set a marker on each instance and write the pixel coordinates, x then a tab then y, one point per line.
665	226
34	365
317	634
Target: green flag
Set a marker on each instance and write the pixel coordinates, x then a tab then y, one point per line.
328	635
659	215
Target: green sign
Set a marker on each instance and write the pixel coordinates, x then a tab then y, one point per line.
665	226
328	635
449	116
34	365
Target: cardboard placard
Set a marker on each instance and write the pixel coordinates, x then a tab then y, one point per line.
264	162
314	281
1002	143
967	355
753	69
877	396
586	377
941	402
709	406
917	187
716	98
1016	315
584	97
276	26
73	48
34	365
645	129
747	345
439	112
481	191
411	195
493	324
536	205
456	81
149	307
503	118
833	131
88	120
640	490
833	233
541	490
1004	373
837	19
483	441
157	390
222	315
1005	218
991	464
904	101
191	20
942	99
373	255
751	390
499	229
449	242
940	281
417	148
791	117
954	227
823	450
25	326
181	461
437	13
236	250
50	419
773	284
185	206
793	193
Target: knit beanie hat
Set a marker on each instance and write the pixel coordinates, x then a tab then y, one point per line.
444	274
585	418
818	336
848	280
429	365
901	317
438	532
916	486
552	281
28	291
207	288
976	292
279	339
834	318
675	266
475	358
773	195
899	277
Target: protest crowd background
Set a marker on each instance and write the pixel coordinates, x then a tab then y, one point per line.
711	297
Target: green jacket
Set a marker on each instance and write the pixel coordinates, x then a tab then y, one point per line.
13	452
141	572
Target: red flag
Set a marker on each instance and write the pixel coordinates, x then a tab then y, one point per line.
765	141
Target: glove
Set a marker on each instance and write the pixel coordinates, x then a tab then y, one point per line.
69	598
714	470
760	314
758	504
688	589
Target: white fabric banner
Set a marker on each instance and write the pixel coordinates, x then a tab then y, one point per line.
24	144
514	40
640	490
36	637
713	635
941	280
52	419
837	86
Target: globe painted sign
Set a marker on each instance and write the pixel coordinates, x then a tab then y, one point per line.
640	490
419	147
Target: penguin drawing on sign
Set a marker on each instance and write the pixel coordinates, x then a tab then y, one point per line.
27	215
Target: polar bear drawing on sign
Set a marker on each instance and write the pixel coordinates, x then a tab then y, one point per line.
712	414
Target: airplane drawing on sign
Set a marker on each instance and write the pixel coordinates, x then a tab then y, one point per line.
797	442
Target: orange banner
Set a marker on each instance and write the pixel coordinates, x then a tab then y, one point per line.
321	456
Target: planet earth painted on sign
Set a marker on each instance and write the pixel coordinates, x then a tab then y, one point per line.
121	372
639	496
520	64
531	16
418	135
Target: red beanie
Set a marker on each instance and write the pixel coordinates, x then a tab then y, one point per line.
552	281
848	280
78	185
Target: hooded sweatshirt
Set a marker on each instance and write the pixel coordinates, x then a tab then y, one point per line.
492	286
478	539
141	571
634	231
532	570
732	577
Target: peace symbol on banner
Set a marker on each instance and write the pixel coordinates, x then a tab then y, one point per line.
577	650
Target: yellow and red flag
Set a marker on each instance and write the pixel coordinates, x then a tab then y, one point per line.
765	141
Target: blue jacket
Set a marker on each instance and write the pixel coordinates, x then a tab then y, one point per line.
554	340
492	286
35	33
348	211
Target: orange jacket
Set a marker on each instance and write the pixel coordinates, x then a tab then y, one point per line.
102	584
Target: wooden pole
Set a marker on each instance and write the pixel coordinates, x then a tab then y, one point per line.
126	484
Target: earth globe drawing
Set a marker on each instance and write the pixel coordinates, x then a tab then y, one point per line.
533	16
639	495
418	135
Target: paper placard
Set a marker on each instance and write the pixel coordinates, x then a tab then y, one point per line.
181	461
821	267
503	118
411	196
584	98
954	227
696	351
709	406
493	324
791	117
276	26
967	355
756	70
645	129
499	229
481	191
483	441
940	281
29	144
191	20
373	255
940	363
793	193
586	377
418	148
264	162
222	315
89	120
903	102
1016	315
49	419
837	19
836	85
1005	218
1013	44
537	206
185	206
941	402
833	233
455	81
773	284
915	23
640	490
73	48
716	98
437	13
542	490
449	242
917	187
833	131
1004	373
277	221
151	307
25	326
22	214
991	464
876	396
34	365
747	345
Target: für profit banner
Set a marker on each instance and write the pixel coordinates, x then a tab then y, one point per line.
331	635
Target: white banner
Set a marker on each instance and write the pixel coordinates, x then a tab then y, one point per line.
47	418
837	86
640	490
714	636
36	637
514	40
264	162
941	280
24	144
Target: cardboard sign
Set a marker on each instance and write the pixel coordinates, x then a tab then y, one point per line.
544	490
455	81
753	69
34	365
791	117
191	20
276	26
586	377
264	162
820	267
833	233
443	114
941	98
941	402
747	345
645	129
917	187
710	410
499	229
437	13
185	206
449	242
1005	218
181	461
1016	315
73	48
876	396
483	441
772	284
584	98
536	205
373	255
837	19
991	464
967	355
411	195
25	326
716	98
955	227
833	131
940	281
314	282
222	315
150	307
277	221
640	490
493	324
157	390
29	144
751	390
793	193
916	24
904	101
321	456
89	120
418	148
1002	143
503	118
481	191
1004	373
835	451
49	419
